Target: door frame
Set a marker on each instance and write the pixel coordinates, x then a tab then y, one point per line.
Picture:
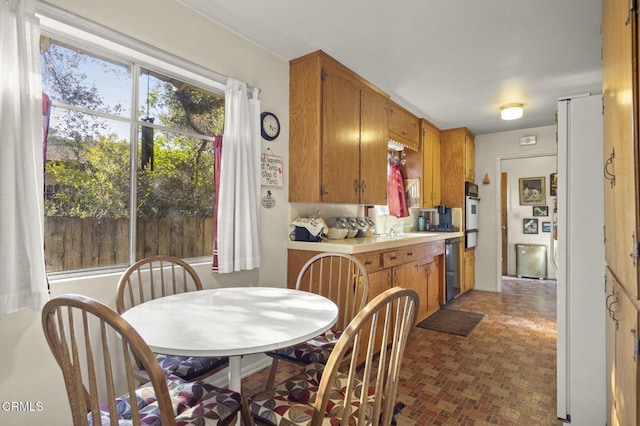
498	217
504	215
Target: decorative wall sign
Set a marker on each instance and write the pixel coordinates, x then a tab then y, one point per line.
268	202
272	171
546	226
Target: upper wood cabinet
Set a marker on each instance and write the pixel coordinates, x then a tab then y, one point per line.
457	151
431	164
404	127
338	134
469	157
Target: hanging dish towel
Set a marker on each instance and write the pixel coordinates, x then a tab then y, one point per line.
395	193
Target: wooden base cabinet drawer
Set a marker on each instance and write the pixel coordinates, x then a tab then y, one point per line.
371	262
400	256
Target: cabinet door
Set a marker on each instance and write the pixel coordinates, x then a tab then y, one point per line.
619	158
610	330
433	286
469	278
626	361
452	167
431	166
413	275
469	158
404	126
379	282
435	175
341	139
373	148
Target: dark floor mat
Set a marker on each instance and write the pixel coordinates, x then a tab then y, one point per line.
452	321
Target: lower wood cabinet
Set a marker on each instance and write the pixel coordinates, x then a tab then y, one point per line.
469	276
622	360
416	266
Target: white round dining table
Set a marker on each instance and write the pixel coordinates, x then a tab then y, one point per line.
232	322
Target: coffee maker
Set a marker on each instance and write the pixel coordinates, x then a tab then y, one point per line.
444	217
445	220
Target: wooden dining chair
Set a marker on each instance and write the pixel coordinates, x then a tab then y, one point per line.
343	392
341	278
95	348
160	276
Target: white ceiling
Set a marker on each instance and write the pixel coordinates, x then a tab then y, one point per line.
453	62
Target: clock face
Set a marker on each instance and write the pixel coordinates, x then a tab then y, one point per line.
270	126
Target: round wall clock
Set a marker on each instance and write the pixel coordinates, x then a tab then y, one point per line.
270	126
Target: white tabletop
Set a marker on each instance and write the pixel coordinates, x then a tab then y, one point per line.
231	321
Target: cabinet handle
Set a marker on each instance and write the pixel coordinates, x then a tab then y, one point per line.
635	250
368	262
610	175
410	253
393	257
635	344
356	186
632	8
612	313
363	185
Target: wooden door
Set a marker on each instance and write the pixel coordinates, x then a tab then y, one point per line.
504	208
340	139
373	148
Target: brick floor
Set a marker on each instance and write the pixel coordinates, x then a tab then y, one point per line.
502	374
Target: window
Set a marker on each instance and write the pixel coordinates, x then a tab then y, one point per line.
129	165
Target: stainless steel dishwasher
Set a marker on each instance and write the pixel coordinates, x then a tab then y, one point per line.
452	267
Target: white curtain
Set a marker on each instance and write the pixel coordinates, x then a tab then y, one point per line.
239	192
23	282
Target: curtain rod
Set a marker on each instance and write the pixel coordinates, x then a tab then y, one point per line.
84	24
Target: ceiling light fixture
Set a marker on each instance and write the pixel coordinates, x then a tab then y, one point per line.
511	111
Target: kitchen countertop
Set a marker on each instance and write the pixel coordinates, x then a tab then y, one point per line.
376	242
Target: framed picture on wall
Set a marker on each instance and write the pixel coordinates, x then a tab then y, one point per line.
546	226
529	226
532	191
540	211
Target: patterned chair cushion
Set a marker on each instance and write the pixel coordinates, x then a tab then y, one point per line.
288	404
317	349
195	403
187	368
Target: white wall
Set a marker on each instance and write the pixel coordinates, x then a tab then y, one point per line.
526	168
29	372
491	150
